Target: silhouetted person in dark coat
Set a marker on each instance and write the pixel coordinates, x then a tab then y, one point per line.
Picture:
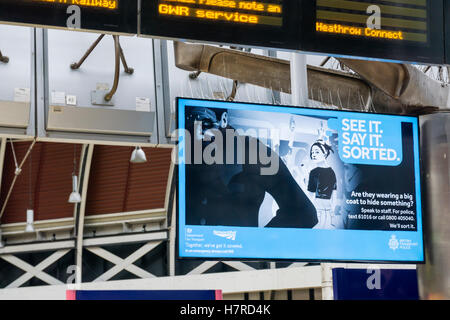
232	194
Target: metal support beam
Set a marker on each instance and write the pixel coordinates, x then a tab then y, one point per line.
299	79
86	168
297	265
122	239
3	142
170	180
42	84
239	266
162	90
124	264
37	247
205	266
32	125
34	271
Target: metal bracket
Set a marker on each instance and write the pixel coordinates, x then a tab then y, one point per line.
3	58
98	98
119	57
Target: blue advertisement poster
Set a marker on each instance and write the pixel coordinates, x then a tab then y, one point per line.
284	183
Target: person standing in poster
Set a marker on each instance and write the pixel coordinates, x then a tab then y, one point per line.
322	185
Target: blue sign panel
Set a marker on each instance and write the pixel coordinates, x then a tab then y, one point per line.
273	182
144	295
375	284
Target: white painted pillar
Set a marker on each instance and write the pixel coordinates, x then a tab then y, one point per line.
327	281
80	232
299	80
273	96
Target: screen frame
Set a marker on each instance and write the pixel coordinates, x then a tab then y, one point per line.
282	260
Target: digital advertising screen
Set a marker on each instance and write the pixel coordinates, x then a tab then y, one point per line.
267	23
114	16
288	183
402	30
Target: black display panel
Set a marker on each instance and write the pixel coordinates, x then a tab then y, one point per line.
114	16
402	30
267	23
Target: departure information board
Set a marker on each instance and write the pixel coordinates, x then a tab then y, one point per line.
404	30
267	23
104	4
115	16
394	30
245	12
345	18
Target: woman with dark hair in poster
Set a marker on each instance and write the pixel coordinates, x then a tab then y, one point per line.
322	184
